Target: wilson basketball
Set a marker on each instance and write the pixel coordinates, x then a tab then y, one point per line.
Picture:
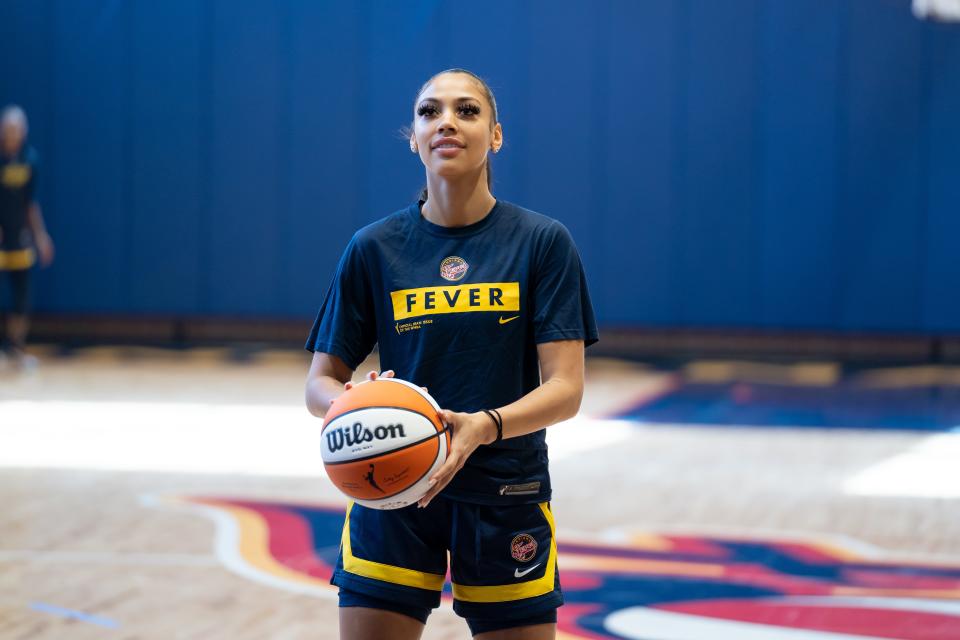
382	440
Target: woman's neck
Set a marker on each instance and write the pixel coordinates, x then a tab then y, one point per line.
453	203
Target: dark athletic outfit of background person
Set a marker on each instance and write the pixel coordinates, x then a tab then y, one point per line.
18	175
460	310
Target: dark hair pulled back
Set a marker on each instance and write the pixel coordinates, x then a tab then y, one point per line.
487	93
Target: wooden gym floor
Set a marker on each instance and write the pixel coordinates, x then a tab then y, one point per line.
143	490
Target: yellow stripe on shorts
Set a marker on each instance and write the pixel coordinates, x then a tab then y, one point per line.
520	590
17	260
385	572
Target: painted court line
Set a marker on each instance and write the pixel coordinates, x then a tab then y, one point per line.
71	614
228	548
110	557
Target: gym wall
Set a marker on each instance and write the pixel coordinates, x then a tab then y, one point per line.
740	164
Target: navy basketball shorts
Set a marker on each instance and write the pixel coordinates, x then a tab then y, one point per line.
19	290
503	561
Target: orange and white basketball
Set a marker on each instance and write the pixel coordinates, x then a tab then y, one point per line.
382	440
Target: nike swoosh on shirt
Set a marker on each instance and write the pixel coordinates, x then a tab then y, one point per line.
502	321
519	574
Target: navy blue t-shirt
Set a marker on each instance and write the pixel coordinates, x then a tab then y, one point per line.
460	310
18	179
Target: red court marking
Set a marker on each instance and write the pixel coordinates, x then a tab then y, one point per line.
294	547
567	617
878	623
883	579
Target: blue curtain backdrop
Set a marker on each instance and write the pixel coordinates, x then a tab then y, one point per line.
740	164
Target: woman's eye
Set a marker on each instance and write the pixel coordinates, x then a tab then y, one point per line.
463	110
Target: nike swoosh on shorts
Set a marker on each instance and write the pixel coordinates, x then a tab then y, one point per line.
519	574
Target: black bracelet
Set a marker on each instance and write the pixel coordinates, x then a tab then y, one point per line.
497	420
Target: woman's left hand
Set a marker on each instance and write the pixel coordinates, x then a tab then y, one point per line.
468	431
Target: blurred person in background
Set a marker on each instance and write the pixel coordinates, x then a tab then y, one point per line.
23	235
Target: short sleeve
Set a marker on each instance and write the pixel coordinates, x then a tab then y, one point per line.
346	323
562	307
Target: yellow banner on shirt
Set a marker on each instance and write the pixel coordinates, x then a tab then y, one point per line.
464	298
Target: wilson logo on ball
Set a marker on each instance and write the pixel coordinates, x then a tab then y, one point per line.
381	441
356	434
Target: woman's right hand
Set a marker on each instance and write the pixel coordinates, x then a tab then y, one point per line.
372	375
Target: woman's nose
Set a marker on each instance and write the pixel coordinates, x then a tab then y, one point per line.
446	123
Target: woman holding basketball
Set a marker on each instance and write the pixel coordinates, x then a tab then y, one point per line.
486	304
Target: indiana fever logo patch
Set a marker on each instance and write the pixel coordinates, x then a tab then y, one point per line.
453	268
645	586
523	548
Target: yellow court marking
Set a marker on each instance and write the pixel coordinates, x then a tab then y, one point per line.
937	594
254	542
653	567
805	374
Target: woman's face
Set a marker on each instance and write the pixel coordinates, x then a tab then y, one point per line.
452	129
12	134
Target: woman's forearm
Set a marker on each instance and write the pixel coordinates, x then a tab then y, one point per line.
325	382
558	396
320	392
556	400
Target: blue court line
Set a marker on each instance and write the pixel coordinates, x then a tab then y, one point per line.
74	615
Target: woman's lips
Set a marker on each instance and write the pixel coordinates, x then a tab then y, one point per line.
447	147
448	151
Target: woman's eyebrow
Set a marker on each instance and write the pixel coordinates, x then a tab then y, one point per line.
461	99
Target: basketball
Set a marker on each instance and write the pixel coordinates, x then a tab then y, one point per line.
382	440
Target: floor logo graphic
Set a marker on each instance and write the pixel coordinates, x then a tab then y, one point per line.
649	587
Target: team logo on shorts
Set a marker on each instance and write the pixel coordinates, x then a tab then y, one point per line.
453	268
523	548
